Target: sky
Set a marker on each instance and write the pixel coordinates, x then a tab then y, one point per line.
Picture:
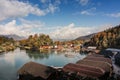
61	19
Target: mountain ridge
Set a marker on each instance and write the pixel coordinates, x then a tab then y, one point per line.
86	37
14	36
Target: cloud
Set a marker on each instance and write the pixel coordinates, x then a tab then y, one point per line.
43	1
51	5
55	2
26	28
31	24
88	11
71	31
116	15
16	9
85	13
83	2
51	8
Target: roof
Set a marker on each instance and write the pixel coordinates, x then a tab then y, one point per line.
91	47
94	65
98	58
95	55
100	64
36	70
84	70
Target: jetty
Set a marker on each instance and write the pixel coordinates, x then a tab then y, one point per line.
92	67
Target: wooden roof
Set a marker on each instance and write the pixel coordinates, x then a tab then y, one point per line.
95	55
93	65
36	70
98	58
100	64
84	70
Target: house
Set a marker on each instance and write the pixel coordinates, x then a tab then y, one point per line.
91	47
45	47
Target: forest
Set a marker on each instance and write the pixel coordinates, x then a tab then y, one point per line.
35	41
6	44
109	38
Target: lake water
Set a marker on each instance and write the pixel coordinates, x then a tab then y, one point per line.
11	61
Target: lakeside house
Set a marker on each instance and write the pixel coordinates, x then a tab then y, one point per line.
46	47
89	49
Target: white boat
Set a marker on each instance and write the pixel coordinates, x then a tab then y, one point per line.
69	54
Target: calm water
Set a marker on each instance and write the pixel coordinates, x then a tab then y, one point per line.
10	62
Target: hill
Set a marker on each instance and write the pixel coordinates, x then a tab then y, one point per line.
4	40
87	37
15	37
107	38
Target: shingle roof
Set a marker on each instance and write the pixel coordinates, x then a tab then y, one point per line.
84	70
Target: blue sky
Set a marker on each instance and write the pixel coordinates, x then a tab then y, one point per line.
61	19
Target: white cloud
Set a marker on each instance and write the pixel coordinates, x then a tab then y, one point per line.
16	8
83	2
88	11
116	15
51	8
43	1
71	31
55	2
85	13
25	29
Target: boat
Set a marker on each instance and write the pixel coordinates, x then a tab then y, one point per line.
69	55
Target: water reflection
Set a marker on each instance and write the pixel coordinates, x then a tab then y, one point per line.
37	55
11	61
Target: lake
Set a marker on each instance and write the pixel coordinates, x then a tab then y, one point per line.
11	61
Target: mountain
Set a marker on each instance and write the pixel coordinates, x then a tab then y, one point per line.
15	37
87	37
5	41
